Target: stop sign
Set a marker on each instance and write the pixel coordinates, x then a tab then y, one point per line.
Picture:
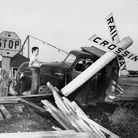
10	44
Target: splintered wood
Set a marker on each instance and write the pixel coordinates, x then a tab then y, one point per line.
71	117
4	112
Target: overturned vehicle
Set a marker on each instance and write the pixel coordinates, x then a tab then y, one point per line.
100	88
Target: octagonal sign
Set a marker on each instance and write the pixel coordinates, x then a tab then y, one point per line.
10	44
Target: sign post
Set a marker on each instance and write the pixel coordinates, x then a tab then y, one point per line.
10	45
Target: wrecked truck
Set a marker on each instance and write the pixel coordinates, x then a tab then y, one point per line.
98	88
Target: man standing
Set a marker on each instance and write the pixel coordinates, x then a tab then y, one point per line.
34	64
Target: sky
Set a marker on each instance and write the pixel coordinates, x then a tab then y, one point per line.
68	24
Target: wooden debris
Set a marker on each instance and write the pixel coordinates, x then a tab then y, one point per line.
59	116
63	107
76	122
1	118
33	105
81	114
119	89
14	108
101	135
58	100
71	114
46	134
5	112
91	122
3	100
20	98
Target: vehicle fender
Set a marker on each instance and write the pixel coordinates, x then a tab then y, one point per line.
54	80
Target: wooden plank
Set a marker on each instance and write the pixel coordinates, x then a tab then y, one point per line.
15	99
32	95
67	103
47	103
15	108
56	116
85	126
64	108
74	104
58	100
5	111
33	105
92	123
25	101
8	101
4	76
46	134
77	122
1	118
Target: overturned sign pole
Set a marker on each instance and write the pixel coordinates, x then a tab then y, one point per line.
95	67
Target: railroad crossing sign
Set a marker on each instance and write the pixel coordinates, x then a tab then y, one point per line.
10	44
114	48
115	38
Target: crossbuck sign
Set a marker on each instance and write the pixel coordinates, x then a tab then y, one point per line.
113	46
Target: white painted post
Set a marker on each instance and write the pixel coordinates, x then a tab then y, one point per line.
94	68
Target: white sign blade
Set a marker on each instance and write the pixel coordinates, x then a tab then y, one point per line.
114	48
112	29
115	38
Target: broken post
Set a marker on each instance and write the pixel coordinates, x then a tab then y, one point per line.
5	70
94	68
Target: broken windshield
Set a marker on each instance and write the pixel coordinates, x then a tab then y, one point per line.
69	60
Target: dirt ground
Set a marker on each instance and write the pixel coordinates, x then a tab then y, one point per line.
121	120
24	119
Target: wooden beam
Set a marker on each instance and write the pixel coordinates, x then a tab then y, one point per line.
17	98
93	124
1	118
46	134
20	98
5	70
8	100
56	116
65	106
5	111
58	100
47	103
33	105
85	126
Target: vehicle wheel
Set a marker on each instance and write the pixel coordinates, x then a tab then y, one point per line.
44	90
11	88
